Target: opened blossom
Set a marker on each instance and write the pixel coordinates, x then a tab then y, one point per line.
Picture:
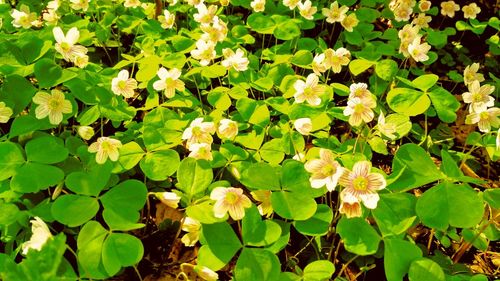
335	13
205	15
214	32
479	97
264	198
402	13
471	75
193	229
53	105
66	44
449	8
228	129
40	235
485	119
359	90
291	4
424	5
204	52
360	110
167	20
201	151
169	81
350	22
23	17
308	91
80	5
471	11
303	126
337	58
418	51
318	64
230	199
198	132
5	113
123	85
307	10
132	3
324	171
258	5
236	61
361	185
105	148
422	20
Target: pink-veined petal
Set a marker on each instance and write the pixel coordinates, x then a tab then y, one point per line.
370	200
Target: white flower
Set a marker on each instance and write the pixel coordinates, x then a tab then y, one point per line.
198	132
5	113
80	5
205	15
350	209
418	51
204	52
335	14
237	60
325	171
66	44
422	21
193	228
170	199
201	151
53	105
23	18
81	60
291	4
303	126
206	273
337	58
361	185
86	132
308	91
167	20
485	119
471	75
132	3
307	10
319	64
53	5
40	235
230	199
479	97
359	90
471	11
51	17
407	35
169	81
424	5
123	85
214	32
387	130
105	147
228	129
258	5
402	13
264	197
350	22
359	110
449	8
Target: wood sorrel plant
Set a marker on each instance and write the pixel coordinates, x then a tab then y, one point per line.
281	140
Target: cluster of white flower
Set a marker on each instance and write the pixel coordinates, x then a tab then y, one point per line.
411	43
448	8
50	16
360	104
360	184
24	18
330	58
481	105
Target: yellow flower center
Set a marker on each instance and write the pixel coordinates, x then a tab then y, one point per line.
328	170
231	198
54	104
485	115
65	46
122	84
359	108
360	183
308	92
477	97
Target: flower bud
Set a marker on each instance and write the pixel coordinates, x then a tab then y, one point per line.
228	129
86	132
303	126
